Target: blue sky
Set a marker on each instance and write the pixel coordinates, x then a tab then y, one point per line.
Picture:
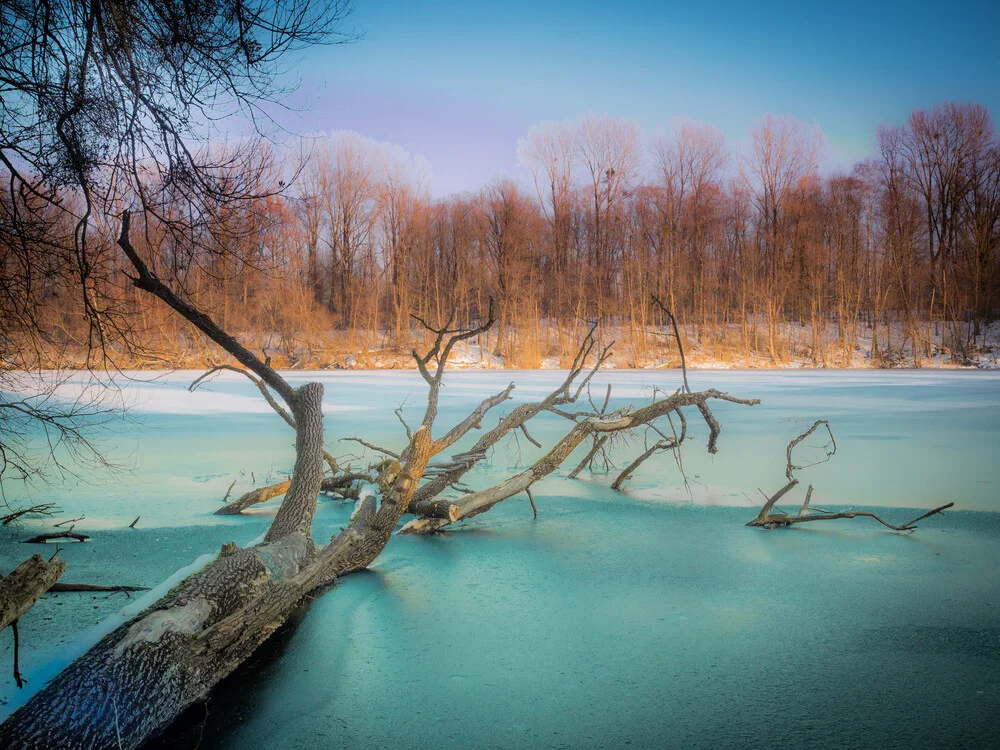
459	82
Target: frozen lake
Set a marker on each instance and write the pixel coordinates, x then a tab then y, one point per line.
651	619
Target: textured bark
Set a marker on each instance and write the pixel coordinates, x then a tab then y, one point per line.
144	673
341	483
26	583
435	509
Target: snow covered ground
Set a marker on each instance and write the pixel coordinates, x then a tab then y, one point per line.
709	347
652	605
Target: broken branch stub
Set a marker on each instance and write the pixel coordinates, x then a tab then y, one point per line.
25	584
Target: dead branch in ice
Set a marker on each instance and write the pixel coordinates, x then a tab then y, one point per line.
584	426
71	521
666	443
63	588
770	517
69	534
597	441
20	590
254	497
677	335
830	448
424	501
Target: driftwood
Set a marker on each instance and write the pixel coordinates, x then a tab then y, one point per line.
770	518
70	534
62	588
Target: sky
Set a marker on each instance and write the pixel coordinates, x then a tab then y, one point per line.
459	82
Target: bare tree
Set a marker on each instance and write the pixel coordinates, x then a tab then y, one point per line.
610	152
549	151
784	153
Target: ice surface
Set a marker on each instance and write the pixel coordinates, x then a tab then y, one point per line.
633	624
648	619
905	439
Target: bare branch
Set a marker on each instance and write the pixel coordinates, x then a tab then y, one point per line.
444	341
399	416
830	448
677	335
147	281
45	509
262	387
370	446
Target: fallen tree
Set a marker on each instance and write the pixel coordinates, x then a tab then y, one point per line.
585	425
144	673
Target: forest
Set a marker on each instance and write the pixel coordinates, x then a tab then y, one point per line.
764	259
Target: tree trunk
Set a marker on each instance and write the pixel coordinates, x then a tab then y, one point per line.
144	673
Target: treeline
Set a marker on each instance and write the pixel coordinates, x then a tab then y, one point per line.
761	257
